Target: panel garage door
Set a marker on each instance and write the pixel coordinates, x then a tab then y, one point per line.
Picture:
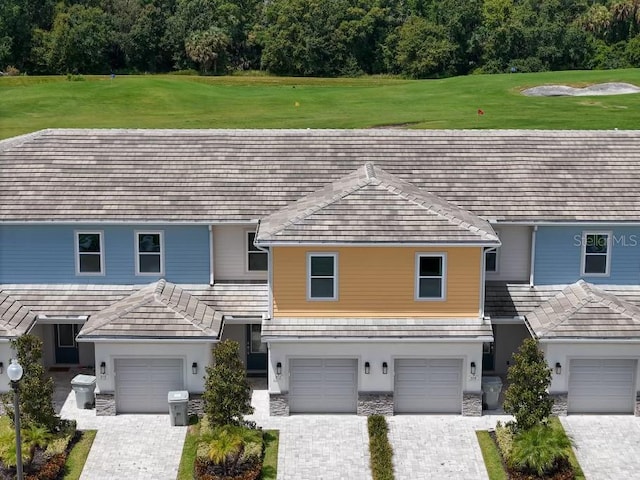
428	385
323	385
142	385
602	386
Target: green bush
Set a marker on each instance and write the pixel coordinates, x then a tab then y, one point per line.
231	447
504	439
380	448
540	450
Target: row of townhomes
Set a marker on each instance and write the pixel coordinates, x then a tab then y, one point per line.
360	271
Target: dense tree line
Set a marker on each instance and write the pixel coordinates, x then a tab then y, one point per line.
416	38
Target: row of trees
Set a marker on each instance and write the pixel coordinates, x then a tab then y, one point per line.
417	38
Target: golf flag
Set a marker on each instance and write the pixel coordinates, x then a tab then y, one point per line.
480	111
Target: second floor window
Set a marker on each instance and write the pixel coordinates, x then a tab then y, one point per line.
256	258
491	260
149	253
430	276
322	276
89	253
596	253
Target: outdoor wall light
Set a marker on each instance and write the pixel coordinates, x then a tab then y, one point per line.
558	368
385	368
194	368
367	368
278	368
473	368
1	367
103	368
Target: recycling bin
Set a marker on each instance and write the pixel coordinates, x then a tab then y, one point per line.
491	388
178	408
84	387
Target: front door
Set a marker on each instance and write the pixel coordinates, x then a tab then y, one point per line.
256	350
66	346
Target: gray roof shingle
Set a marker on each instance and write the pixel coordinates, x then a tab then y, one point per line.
15	318
370	205
243	175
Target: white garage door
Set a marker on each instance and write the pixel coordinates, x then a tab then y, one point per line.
323	385
602	386
428	385
142	385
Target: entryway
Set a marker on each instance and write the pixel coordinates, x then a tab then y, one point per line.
66	348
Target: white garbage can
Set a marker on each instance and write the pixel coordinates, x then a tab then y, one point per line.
178	408
84	387
491	388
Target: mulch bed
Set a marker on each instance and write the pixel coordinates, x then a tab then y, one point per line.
245	471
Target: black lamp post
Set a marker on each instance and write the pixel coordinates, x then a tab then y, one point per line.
14	371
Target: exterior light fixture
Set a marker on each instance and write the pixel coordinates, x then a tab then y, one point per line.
1	368
194	368
473	368
14	371
367	368
103	368
385	368
279	368
558	368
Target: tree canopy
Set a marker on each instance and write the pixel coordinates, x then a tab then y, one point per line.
415	38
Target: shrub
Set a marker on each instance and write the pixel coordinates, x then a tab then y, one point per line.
526	398
231	447
380	448
57	446
541	450
504	439
11	71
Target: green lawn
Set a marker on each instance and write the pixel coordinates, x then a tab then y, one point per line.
174	101
78	455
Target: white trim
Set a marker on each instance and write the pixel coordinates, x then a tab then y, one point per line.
570	223
583	253
100	233
270	283
608	341
247	252
128	222
483	278
158	341
367	340
443	277
56	319
333	255
532	265
136	235
267	243
211	259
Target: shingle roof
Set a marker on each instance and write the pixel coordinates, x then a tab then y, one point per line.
242	175
370	205
580	310
416	328
159	310
234	299
15	318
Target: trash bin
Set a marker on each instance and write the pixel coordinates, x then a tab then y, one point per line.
84	386
491	387
178	407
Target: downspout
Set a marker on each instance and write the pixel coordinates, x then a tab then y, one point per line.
211	264
483	279
533	256
269	272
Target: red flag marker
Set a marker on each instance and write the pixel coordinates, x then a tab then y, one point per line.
480	111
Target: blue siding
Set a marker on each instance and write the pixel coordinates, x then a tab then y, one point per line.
46	254
559	251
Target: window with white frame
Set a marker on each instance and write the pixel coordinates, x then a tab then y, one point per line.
596	253
257	260
149	253
431	276
89	253
322	276
491	260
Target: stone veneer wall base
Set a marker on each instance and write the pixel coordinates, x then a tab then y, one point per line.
472	404
375	403
637	409
196	405
105	404
279	404
560	404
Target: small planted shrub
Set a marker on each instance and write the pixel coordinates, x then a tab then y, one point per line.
504	440
380	448
541	450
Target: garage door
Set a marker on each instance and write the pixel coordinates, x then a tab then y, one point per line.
428	385
602	386
323	385
142	385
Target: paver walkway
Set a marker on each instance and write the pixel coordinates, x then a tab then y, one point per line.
607	446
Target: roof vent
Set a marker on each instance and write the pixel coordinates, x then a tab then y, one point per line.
370	171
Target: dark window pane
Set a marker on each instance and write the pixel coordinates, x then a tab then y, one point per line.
149	242
89	242
322	266
251	237
595	264
430	266
66	335
321	288
430	288
149	263
90	263
257	261
596	243
490	262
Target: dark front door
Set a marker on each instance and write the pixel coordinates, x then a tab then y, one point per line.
256	350
66	346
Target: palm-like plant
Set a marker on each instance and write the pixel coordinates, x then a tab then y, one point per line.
224	448
539	449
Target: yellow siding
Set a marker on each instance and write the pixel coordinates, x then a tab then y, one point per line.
376	282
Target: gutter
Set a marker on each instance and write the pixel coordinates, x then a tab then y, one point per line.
88	339
279	339
211	260
533	256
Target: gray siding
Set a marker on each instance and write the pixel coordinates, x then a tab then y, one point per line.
514	256
230	254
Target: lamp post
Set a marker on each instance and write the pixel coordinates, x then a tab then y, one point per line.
15	374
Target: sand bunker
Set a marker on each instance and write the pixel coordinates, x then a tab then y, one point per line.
566	91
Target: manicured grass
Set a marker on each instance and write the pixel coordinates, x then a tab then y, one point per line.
78	455
493	461
380	449
190	449
174	101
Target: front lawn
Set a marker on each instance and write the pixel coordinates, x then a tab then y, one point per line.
78	454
